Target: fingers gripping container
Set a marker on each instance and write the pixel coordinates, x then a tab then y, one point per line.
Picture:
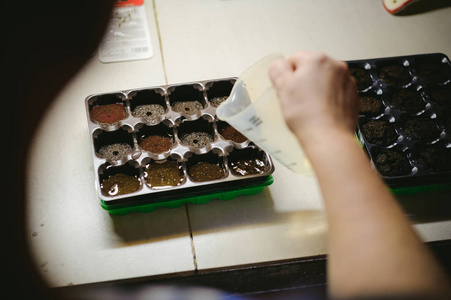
405	120
164	146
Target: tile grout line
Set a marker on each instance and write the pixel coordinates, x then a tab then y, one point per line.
193	249
159	39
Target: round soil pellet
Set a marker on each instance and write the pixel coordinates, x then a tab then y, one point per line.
115	151
216	101
187	107
362	78
204	171
196	139
120	184
156	144
442	97
379	132
408	100
148	112
230	133
434	73
370	106
435	157
163	174
392	163
395	75
421	128
248	167
110	113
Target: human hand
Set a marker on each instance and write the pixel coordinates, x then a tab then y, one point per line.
317	94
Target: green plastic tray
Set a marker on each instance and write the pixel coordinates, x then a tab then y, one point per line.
198	199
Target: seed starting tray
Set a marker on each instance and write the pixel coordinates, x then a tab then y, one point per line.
405	121
184	115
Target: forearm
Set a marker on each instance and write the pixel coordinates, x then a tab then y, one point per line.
370	239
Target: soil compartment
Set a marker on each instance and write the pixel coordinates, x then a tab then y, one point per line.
114	145
408	100
163	173
393	73
371	104
379	132
119	180
107	109
219	91
148	105
156	138
248	161
230	133
197	134
361	76
435	157
421	128
205	167
186	99
391	162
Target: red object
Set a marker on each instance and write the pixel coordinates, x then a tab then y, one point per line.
110	113
395	6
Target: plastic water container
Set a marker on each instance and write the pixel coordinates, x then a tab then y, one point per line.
254	110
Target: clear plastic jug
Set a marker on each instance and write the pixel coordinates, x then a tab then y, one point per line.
254	110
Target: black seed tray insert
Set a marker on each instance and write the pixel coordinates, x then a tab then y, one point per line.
409	98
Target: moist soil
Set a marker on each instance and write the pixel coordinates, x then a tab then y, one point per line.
120	184
163	174
442	97
110	113
204	171
362	78
421	128
248	166
230	133
392	163
408	100
370	106
435	157
156	144
395	75
379	132
434	73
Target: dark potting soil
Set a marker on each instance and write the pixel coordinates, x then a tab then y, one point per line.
395	75
370	106
435	157
421	128
392	163
408	100
230	133
362	78
434	73
442	97
379	132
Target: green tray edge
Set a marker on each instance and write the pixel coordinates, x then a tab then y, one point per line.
202	199
421	189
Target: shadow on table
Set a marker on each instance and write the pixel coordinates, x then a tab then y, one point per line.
253	211
424	7
427	207
216	216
